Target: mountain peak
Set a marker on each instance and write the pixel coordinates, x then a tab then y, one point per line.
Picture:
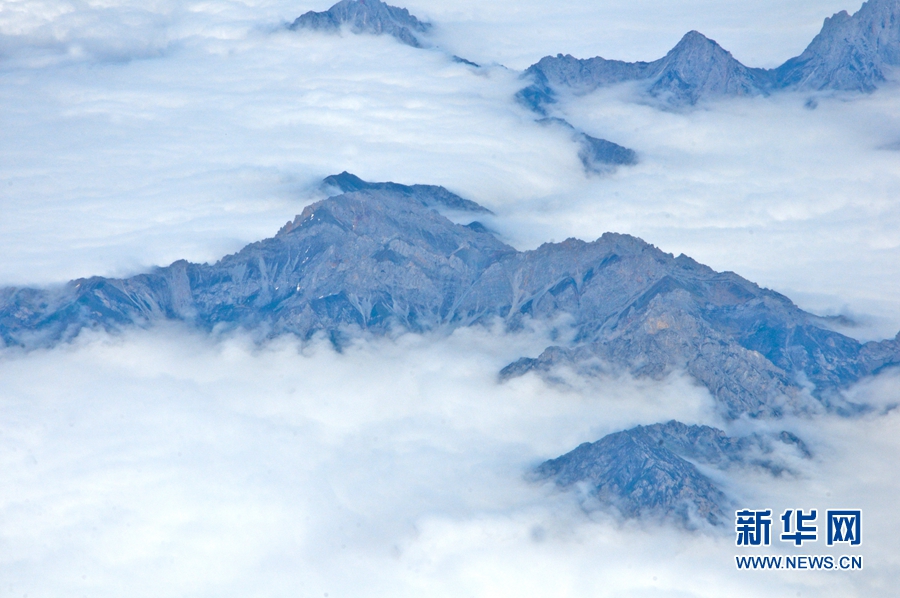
651	470
850	53
366	16
431	196
699	67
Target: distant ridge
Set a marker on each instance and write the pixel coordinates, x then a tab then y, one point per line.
851	53
366	16
598	156
431	196
652	470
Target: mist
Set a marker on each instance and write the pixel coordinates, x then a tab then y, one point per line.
164	462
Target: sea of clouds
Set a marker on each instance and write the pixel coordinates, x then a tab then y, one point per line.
165	462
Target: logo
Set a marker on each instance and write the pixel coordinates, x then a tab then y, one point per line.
845	526
754	527
803	532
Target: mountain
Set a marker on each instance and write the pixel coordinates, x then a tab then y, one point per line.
430	196
598	156
855	53
366	16
653	470
379	259
695	68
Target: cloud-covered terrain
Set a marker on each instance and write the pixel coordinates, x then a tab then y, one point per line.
164	462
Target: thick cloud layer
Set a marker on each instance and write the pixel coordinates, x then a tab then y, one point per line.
136	133
162	463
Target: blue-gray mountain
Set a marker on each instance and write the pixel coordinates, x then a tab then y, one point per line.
379	259
598	156
431	196
652	470
366	16
850	54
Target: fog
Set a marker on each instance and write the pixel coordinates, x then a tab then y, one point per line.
167	462
163	463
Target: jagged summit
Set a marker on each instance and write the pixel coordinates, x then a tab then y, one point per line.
698	67
851	53
366	16
652	470
431	196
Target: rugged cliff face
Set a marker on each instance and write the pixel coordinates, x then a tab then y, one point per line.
366	16
653	470
851	53
382	258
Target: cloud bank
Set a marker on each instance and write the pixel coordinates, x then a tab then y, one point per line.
162	462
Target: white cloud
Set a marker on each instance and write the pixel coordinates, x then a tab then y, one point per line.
162	462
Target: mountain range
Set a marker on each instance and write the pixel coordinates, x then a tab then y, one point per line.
851	53
598	156
653	470
379	258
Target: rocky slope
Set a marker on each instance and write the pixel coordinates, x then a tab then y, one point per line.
380	259
366	16
851	53
653	470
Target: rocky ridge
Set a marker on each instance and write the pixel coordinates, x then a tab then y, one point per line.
851	53
380	258
366	16
653	470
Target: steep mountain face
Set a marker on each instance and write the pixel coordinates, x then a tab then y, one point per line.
430	196
652	470
366	16
697	67
380	259
854	53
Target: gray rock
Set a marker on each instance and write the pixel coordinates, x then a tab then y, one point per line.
431	196
696	68
366	16
598	156
653	470
854	53
379	259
